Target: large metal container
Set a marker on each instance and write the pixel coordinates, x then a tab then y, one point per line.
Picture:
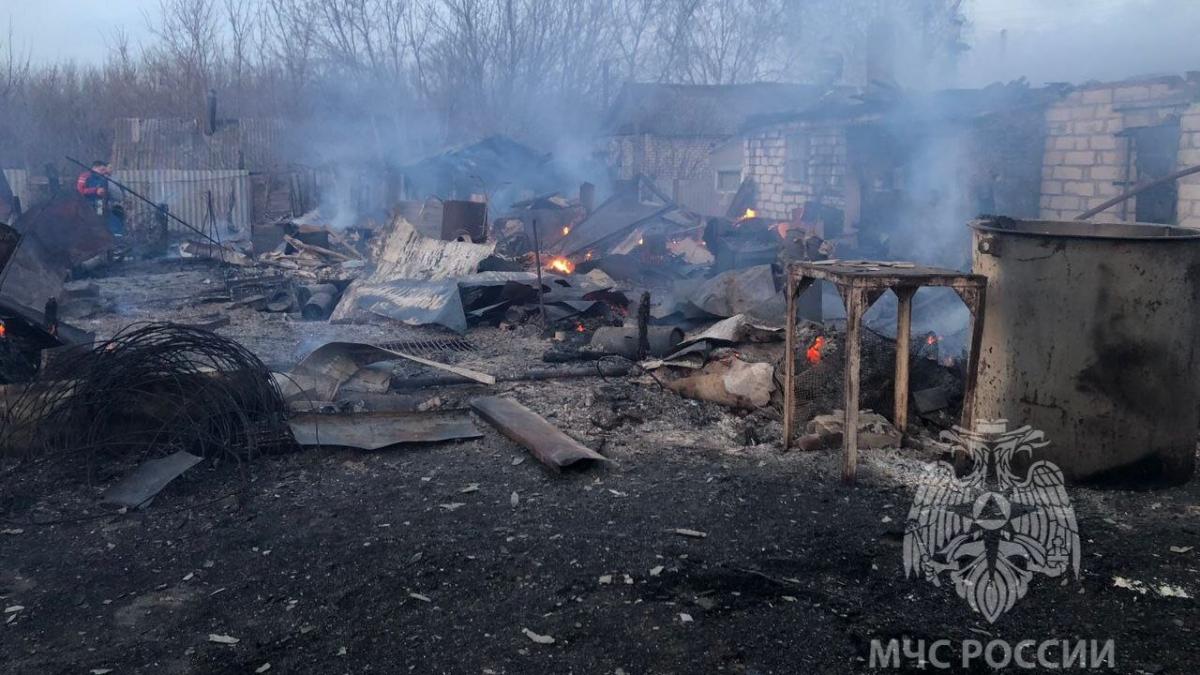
1089	334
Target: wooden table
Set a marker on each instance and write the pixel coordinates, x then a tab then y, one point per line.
861	283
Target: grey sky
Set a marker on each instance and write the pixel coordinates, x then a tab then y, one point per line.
1047	40
59	30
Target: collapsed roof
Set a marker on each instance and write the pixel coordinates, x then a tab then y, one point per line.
703	110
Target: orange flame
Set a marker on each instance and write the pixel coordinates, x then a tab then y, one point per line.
750	213
3	330
931	339
561	265
566	230
813	353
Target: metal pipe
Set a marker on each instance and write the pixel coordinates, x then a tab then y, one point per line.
126	188
1138	190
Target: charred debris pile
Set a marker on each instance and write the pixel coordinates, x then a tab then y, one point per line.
636	286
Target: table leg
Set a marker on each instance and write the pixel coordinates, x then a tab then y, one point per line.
855	306
904	298
789	364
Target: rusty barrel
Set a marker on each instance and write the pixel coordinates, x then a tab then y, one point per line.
1089	334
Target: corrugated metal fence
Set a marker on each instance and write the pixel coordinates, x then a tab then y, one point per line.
188	194
18	181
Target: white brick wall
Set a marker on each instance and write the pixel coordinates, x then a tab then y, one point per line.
1084	159
766	161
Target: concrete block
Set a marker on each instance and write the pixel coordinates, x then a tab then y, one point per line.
1088	127
1067	172
1104	173
1081	188
1190	221
1083	113
1110	157
1189	157
1052	187
1044	202
1190	122
1079	158
1096	96
1130	94
1189	192
1160	89
1061	143
1102	142
1054	157
1066	203
1058	113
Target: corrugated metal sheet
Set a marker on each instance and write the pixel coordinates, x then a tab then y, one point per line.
177	143
186	193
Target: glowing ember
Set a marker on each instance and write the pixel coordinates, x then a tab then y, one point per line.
561	265
641	240
566	230
813	353
588	256
931	339
750	213
3	330
579	328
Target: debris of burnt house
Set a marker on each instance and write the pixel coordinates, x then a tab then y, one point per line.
883	170
685	138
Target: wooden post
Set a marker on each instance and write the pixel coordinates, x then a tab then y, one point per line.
789	361
855	301
904	296
537	259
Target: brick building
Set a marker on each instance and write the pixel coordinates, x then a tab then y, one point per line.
890	172
679	136
1103	138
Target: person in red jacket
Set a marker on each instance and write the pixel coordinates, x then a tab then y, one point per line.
92	183
93	186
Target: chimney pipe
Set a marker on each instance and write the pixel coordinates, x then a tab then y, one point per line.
210	118
587	197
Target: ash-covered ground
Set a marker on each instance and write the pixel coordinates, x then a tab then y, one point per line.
440	558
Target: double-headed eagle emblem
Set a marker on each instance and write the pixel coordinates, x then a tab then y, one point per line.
989	530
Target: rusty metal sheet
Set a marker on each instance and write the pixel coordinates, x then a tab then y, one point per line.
520	424
735	291
378	430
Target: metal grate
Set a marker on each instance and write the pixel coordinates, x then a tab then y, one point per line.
243	284
430	346
820	386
